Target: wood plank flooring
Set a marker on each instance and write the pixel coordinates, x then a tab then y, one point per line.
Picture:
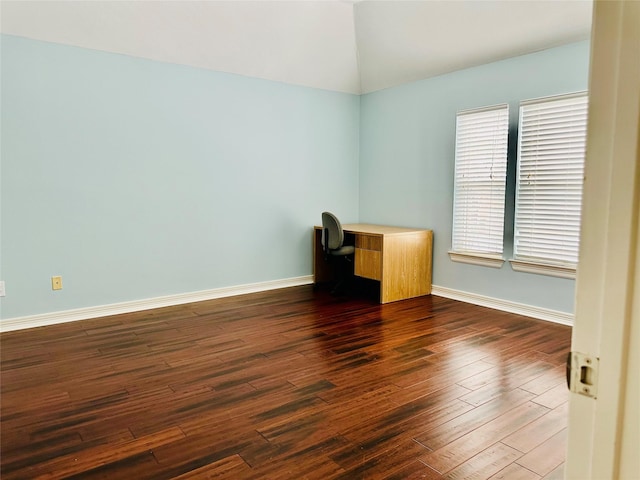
287	384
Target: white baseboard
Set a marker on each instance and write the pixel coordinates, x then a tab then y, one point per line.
505	305
31	321
19	323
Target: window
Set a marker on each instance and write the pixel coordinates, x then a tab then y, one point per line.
479	190
551	150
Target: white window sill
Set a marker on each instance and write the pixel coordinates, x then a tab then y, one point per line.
484	260
562	271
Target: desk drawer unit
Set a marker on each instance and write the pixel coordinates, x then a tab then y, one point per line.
368	256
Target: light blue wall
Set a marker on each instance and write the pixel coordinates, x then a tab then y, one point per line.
407	161
135	179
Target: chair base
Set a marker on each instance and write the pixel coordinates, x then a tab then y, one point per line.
339	288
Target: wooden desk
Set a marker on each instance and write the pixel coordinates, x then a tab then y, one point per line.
399	258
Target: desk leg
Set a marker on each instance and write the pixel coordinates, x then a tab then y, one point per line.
321	271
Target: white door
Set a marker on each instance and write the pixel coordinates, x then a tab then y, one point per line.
603	432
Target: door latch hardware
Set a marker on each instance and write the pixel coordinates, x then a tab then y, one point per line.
582	374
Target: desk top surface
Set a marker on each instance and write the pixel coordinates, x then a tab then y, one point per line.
379	229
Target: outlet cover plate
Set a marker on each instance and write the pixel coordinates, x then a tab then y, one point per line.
56	283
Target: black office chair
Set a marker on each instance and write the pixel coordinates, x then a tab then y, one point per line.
333	245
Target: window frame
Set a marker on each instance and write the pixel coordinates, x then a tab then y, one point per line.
539	264
489	257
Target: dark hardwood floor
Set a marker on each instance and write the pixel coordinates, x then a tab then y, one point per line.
287	384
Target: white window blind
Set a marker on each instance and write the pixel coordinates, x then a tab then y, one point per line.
551	151
480	176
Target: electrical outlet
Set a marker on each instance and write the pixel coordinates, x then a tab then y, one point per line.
56	283
2	290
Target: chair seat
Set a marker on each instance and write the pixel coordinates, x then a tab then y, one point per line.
344	250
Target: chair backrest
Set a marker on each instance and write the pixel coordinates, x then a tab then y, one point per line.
331	226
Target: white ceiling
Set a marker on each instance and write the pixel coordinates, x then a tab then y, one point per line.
346	46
